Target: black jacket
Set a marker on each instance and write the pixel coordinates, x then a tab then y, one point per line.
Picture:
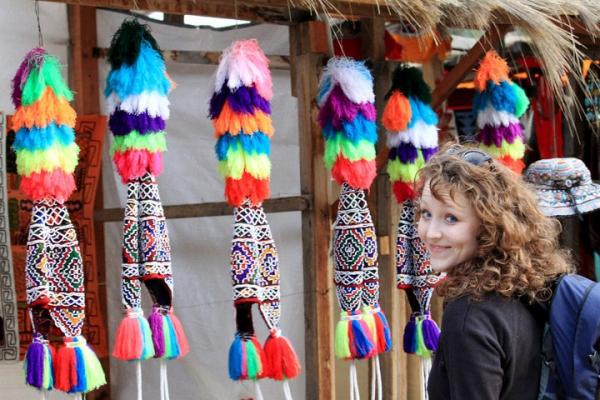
488	350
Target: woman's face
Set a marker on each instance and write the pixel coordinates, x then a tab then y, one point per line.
449	229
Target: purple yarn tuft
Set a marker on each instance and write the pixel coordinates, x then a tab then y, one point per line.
339	109
406	152
494	134
35	364
156	326
431	333
122	123
243	100
428	152
409	336
35	55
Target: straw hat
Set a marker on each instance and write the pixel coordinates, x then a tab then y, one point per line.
564	186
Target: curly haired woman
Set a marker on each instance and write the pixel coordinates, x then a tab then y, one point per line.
482	226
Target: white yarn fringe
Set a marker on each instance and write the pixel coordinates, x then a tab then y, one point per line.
420	135
491	116
153	103
354	79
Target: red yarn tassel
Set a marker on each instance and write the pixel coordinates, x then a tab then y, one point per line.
184	346
281	358
65	369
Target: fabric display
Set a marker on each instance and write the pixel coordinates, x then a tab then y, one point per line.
136	94
563	186
46	158
591	101
498	104
347	117
240	110
412	139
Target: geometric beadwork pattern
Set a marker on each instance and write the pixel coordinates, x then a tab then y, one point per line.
9	345
356	274
146	249
268	260
54	268
413	268
244	255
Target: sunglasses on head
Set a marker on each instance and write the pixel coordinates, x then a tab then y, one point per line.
472	156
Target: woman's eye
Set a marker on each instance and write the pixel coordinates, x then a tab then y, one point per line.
425	214
451	219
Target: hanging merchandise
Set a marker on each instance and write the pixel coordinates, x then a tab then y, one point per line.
499	103
412	139
347	117
136	92
46	159
240	110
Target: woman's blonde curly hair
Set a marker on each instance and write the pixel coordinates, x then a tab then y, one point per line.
518	253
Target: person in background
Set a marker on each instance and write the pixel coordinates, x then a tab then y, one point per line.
483	228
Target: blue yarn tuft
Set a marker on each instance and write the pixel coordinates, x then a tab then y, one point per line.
43	138
146	74
147	344
81	386
258	143
364	347
355	130
235	359
421	112
175	349
501	97
324	89
386	331
409	338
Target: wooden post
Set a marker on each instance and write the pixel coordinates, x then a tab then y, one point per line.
385	216
83	80
316	221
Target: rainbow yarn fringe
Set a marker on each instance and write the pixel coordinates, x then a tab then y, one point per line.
241	115
421	335
499	103
78	370
247	360
45	141
136	92
168	336
347	117
134	337
38	366
412	135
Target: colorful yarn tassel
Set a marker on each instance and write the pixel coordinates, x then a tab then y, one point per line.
78	370
412	136
347	118
136	92
431	332
353	337
167	334
43	121
38	366
134	337
241	114
409	337
498	104
382	332
281	359
421	335
246	359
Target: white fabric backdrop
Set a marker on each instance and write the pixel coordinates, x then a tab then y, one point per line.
201	246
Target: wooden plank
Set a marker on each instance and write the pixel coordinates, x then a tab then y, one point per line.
316	227
84	81
491	39
279	62
385	216
282	204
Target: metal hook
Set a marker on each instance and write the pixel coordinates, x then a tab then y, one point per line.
39	27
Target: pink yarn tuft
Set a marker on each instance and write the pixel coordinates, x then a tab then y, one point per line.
129	342
184	346
43	185
132	164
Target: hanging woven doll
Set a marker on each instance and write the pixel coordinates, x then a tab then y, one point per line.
347	117
498	104
46	159
136	92
412	138
241	114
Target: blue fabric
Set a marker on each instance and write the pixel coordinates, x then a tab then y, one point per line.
258	142
421	112
146	74
43	138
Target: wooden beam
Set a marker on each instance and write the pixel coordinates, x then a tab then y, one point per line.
491	39
316	225
278	62
282	204
84	81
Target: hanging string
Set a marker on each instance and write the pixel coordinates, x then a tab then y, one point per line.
259	395
287	392
376	384
139	379
354	389
164	381
425	369
39	27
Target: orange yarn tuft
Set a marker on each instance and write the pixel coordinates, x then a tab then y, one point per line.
234	123
397	113
404	191
47	109
65	369
516	166
238	190
358	174
491	68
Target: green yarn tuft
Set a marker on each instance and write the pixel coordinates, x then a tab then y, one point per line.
40	78
152	142
253	360
353	151
515	150
93	370
126	43
409	81
421	349
406	173
168	344
522	101
342	341
56	156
